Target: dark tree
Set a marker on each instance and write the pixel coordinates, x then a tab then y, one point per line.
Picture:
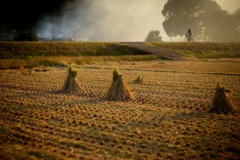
26	36
153	36
23	15
182	14
204	17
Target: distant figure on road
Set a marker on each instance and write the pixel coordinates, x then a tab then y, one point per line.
189	34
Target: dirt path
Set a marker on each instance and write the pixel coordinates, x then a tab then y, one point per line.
156	50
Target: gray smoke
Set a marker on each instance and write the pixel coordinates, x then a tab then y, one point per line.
104	20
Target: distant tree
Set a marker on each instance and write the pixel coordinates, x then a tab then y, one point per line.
26	36
153	36
205	18
220	26
236	16
182	14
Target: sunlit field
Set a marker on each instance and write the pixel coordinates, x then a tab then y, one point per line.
203	49
169	118
16	55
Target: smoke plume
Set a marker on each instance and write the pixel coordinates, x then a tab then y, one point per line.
104	20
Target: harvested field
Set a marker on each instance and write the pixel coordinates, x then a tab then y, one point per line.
168	119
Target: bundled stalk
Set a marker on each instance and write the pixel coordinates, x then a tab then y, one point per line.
139	79
116	74
71	83
222	102
119	90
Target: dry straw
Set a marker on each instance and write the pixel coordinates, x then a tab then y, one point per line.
222	102
139	79
71	83
119	90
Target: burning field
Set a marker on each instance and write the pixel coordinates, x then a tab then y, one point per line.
167	119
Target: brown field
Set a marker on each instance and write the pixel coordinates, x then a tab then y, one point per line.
168	120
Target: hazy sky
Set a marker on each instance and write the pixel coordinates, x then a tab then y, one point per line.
229	5
114	20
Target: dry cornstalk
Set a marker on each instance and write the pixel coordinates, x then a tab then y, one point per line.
71	83
119	90
222	101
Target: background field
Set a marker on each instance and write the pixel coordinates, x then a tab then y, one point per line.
168	120
203	50
15	55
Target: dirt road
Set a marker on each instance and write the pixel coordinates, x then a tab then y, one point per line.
156	50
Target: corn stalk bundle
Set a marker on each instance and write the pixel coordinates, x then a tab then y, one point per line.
71	83
222	101
119	90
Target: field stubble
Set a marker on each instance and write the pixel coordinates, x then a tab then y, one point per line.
169	118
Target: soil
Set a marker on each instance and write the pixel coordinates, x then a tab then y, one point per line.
165	54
